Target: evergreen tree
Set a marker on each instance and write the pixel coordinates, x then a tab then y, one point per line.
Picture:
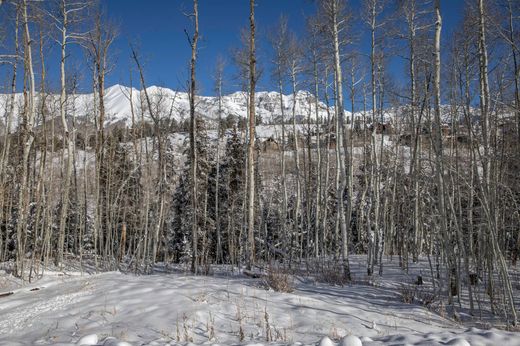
181	240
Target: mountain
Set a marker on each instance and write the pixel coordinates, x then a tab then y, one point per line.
171	104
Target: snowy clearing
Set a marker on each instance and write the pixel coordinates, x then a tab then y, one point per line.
178	308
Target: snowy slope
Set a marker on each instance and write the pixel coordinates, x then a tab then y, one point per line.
172	307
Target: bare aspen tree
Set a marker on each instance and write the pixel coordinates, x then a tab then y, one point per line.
487	190
437	144
161	165
98	42
411	10
411	19
374	9
279	42
251	143
193	129
349	147
29	114
462	64
40	194
6	143
293	64
516	70
12	99
218	86
313	57
63	21
334	8
484	99
325	196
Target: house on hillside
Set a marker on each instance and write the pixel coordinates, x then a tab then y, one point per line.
270	145
446	130
382	128
506	127
329	140
299	138
461	134
406	139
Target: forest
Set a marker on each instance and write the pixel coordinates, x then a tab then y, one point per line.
341	161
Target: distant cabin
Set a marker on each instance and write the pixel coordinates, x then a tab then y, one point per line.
463	138
382	128
406	139
301	141
270	145
330	140
506	128
446	130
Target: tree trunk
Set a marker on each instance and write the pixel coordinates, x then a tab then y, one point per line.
251	143
340	167
28	139
193	149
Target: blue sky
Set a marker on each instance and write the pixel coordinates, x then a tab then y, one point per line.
157	27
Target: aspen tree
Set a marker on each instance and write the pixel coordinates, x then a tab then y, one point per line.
333	9
193	128
63	23
218	86
28	140
251	143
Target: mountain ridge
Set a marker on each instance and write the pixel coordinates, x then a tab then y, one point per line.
168	103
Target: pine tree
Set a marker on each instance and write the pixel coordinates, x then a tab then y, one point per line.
182	239
233	176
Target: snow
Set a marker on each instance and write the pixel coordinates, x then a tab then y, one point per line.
350	340
326	341
174	307
91	339
175	104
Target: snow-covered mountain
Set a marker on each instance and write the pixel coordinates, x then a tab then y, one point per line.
120	101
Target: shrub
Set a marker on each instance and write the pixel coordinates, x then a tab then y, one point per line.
407	293
332	274
279	280
427	298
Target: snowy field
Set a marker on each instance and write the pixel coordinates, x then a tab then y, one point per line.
173	307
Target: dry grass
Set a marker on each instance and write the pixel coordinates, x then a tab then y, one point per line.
331	273
279	280
427	298
407	292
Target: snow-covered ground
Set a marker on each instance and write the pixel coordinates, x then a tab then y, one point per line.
174	307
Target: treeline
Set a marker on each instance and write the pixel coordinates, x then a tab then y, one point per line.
438	180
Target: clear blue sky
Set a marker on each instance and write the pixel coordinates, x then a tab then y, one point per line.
157	28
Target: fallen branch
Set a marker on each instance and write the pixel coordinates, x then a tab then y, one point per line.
5	294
